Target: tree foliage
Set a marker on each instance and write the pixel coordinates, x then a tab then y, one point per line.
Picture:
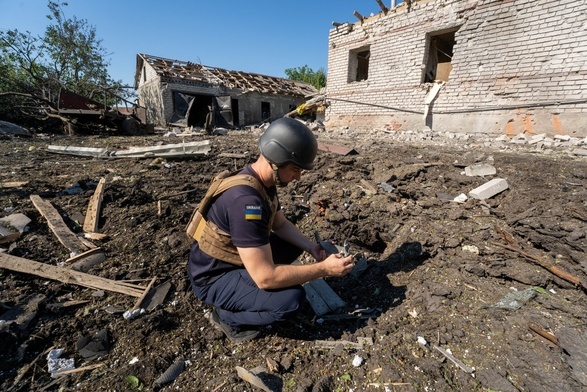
307	75
69	55
77	59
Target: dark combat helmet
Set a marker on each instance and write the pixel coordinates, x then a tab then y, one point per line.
287	140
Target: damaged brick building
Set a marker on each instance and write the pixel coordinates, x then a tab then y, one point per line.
475	66
186	94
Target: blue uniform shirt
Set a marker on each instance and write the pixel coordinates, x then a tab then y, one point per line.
242	212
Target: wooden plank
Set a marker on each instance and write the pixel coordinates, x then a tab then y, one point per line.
93	213
145	293
13	184
58	226
65	275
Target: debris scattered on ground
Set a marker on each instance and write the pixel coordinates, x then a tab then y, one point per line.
435	266
170	374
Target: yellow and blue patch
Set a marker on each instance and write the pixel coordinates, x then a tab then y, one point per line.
253	212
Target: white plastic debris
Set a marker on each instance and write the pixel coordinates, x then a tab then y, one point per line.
133	361
357	361
132	314
56	364
386	187
471	249
422	341
461	198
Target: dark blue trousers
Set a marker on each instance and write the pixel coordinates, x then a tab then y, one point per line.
241	303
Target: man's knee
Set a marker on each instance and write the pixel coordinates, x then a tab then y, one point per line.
289	308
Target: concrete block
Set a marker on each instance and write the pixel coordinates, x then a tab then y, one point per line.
537	138
489	189
480	169
518	141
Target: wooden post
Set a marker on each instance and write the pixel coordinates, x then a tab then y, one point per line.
382	6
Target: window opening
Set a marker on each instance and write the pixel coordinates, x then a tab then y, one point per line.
439	58
359	64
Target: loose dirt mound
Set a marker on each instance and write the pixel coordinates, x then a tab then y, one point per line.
436	269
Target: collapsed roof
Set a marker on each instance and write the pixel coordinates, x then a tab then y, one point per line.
251	82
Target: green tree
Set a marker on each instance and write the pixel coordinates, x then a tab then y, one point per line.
307	75
77	58
33	69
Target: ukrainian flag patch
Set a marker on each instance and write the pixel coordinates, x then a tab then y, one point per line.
253	212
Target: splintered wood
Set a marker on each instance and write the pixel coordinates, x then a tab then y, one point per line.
93	214
58	226
69	276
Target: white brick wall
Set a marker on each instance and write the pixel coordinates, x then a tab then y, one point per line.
509	55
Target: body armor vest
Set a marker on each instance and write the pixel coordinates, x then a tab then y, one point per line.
211	239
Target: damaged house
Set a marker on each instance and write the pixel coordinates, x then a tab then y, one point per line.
485	66
190	94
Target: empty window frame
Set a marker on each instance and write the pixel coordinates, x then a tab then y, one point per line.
439	55
359	64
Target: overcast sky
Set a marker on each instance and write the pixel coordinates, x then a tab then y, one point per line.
260	36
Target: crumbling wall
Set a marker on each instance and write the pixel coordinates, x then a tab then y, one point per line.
185	87
157	96
517	66
251	104
149	95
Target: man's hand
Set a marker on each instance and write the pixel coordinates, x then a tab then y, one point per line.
337	265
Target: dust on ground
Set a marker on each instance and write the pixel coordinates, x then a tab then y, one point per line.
435	270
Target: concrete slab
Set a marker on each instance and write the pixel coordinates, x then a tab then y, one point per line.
480	169
489	189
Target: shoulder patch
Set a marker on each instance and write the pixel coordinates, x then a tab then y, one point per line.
253	212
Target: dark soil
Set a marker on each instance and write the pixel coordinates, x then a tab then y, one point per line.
435	270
